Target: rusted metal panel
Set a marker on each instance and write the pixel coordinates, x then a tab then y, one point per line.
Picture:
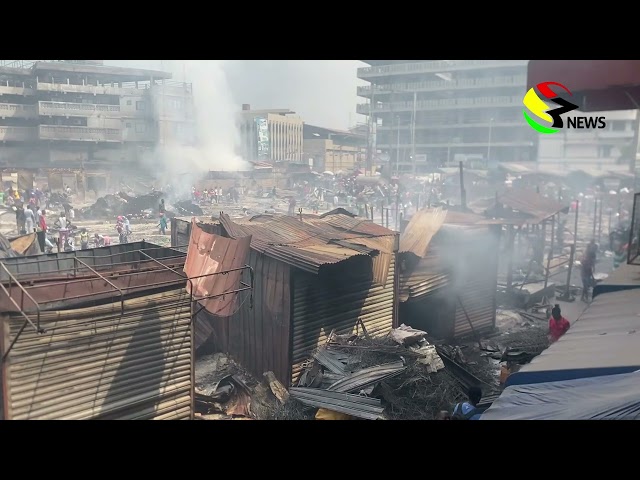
26	244
82	286
477	301
258	337
339	300
98	363
214	267
527	205
458	273
39	265
310	244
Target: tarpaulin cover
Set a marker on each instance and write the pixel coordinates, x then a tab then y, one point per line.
208	257
614	397
605	340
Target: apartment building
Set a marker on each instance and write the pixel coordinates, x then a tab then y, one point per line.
591	149
270	135
334	150
84	115
431	113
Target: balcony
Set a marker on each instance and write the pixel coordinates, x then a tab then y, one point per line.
436	67
18	134
124	89
498	82
6	89
516	143
615	134
91	89
445	126
79	134
446	104
15	110
66	109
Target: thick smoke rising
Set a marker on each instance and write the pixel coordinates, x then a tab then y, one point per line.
217	133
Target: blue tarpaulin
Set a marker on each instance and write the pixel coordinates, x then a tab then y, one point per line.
605	340
614	397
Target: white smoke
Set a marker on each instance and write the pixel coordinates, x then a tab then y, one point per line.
216	116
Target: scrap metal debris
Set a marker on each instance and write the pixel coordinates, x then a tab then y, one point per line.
354	405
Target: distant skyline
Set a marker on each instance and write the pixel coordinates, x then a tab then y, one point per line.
322	92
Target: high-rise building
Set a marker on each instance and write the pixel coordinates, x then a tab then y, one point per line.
593	148
431	113
82	114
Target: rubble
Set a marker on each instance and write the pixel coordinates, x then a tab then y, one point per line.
401	376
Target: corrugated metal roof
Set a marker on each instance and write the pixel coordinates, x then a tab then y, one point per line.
312	242
209	255
533	206
605	340
425	223
625	277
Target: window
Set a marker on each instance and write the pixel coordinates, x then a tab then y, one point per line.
618	125
605	151
128	125
140	105
129	103
141	128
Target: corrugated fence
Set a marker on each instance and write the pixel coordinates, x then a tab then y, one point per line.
103	362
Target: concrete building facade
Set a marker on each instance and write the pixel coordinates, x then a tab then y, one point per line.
82	114
430	113
591	149
273	135
334	150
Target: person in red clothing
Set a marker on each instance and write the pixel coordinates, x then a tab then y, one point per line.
558	325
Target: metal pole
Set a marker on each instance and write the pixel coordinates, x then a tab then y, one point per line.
600	223
550	256
489	146
463	193
595	216
413	131
567	294
387	214
398	146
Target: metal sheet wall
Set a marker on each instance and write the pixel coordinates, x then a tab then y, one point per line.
97	363
319	307
258	337
477	295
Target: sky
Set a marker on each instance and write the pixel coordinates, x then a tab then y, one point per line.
322	92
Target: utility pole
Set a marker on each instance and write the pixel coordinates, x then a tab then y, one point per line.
398	146
489	145
370	137
413	131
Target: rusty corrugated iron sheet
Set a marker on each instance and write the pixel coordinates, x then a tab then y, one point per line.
63	292
345	301
26	244
420	230
258	338
526	205
208	257
97	364
311	243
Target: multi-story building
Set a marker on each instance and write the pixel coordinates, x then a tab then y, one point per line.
270	135
430	113
334	150
591	149
85	115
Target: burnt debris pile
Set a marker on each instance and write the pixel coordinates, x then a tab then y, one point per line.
135	206
398	377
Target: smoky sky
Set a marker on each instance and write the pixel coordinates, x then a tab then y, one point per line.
322	92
